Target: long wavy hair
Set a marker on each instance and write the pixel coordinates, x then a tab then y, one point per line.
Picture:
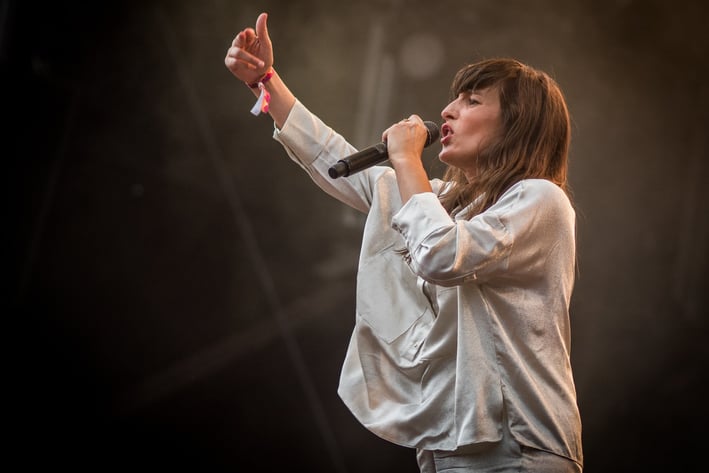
533	141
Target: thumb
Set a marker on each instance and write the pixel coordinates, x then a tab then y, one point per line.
262	28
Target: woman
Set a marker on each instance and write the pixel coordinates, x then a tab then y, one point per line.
461	342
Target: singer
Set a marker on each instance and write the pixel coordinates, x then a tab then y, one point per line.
461	344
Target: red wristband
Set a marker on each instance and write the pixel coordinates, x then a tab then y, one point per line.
266	77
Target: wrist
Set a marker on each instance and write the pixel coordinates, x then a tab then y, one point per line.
264	97
264	78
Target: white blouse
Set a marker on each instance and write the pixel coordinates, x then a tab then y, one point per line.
456	319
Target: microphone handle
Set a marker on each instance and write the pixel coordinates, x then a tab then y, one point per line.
361	160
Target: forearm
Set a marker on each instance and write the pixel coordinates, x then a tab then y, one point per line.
411	178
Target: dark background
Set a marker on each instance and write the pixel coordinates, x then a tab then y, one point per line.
181	296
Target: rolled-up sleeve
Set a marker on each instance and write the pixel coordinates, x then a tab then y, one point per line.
513	238
451	252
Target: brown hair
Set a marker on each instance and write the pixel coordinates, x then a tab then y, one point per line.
534	138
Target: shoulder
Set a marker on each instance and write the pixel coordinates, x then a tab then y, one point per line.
541	191
535	200
534	187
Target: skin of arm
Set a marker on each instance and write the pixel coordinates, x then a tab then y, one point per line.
250	57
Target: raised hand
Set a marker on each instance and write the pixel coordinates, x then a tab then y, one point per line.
250	56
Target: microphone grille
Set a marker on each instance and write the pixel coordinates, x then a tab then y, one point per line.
433	132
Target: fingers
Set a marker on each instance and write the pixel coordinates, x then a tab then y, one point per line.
249	37
238	54
237	57
409	129
415	118
245	39
234	65
262	28
412	122
241	56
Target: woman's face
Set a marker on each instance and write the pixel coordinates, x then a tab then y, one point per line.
471	120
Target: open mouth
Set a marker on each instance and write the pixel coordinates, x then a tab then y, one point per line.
446	133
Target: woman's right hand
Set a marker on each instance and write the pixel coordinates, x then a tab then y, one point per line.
251	53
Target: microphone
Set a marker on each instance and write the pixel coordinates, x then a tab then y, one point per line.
373	155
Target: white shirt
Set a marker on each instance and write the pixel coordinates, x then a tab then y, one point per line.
472	318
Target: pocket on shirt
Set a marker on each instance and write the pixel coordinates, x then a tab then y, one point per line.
389	298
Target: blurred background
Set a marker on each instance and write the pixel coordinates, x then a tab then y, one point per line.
181	296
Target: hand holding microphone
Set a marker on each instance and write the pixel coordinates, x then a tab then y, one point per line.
374	155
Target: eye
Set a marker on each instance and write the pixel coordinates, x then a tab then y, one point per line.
473	101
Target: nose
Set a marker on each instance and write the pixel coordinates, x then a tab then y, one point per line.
448	111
